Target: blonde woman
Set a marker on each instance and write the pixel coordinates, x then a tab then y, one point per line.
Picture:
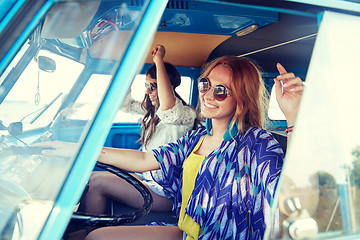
167	117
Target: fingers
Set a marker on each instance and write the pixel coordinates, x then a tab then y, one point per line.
281	69
292	81
159	51
48	148
279	80
284	75
294	85
288	80
153	53
57	148
278	88
295	89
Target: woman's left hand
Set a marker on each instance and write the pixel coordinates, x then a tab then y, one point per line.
289	89
158	53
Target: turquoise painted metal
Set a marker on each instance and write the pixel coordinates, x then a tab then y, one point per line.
24	35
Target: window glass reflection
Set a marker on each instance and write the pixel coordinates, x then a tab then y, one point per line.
321	172
41	95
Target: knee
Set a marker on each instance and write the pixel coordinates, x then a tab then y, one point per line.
93	235
99	233
97	181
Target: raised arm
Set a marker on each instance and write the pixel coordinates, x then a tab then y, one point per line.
288	89
165	90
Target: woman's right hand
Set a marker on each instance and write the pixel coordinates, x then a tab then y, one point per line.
289	90
57	148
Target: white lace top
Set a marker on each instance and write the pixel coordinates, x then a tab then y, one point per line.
174	123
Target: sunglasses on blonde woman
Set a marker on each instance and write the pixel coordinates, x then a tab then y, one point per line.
150	86
220	92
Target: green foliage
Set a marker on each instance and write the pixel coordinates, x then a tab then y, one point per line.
355	171
326	179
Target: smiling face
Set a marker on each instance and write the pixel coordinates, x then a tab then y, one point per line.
153	95
210	107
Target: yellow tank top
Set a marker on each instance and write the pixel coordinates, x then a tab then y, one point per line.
190	170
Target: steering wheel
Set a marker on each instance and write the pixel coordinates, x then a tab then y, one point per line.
102	220
85	219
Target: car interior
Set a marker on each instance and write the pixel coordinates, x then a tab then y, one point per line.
67	79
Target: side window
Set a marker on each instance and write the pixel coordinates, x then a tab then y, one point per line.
131	111
320	181
274	112
87	103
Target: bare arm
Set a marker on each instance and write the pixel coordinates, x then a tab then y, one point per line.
128	159
165	90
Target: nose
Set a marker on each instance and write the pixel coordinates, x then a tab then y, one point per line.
147	91
209	95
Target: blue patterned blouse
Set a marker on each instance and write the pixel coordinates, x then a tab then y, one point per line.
234	188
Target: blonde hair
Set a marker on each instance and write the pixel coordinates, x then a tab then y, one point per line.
247	87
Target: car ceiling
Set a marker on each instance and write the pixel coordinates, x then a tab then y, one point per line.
199	41
295	55
295	21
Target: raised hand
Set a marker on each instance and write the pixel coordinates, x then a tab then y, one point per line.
288	89
158	53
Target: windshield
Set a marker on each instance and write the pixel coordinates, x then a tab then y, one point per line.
39	91
41	95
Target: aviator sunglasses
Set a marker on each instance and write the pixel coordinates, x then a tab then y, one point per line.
220	92
150	86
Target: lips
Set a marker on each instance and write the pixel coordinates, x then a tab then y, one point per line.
152	97
208	105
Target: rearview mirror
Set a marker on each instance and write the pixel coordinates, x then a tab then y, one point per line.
46	64
15	128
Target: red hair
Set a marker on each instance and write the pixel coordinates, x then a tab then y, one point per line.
247	87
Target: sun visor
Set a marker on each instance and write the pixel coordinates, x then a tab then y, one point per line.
78	17
109	46
202	44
